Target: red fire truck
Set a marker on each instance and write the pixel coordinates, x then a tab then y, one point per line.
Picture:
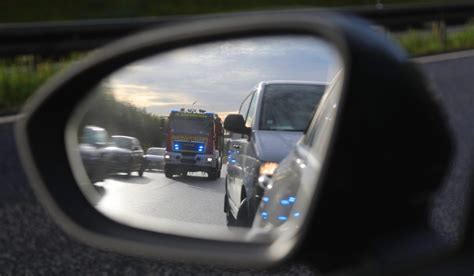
194	142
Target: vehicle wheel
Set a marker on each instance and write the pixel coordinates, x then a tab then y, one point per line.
243	217
142	168
169	173
226	203
230	220
213	174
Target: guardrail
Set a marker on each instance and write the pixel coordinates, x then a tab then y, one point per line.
58	38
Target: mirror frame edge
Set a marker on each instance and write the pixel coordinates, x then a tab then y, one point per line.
108	60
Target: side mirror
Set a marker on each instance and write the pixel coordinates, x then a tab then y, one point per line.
235	123
372	120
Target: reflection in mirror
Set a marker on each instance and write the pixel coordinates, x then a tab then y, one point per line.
189	141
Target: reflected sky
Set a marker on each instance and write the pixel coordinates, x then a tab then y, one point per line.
217	76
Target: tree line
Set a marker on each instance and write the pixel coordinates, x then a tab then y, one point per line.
120	118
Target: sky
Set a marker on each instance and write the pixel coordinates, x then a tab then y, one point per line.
217	76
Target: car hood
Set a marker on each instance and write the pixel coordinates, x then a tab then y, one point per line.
271	145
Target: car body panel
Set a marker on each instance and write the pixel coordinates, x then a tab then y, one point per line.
266	141
125	159
247	153
297	174
155	158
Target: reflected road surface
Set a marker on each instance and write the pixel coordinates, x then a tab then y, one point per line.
187	199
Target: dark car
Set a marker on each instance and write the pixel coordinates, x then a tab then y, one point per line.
155	158
126	155
92	145
271	120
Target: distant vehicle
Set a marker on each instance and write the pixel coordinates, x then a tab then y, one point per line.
155	158
126	155
195	142
92	144
271	120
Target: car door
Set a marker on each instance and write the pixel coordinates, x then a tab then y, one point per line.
234	168
249	160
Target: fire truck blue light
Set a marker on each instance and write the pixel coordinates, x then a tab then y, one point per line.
265	199
296	214
284	202
282	218
292	199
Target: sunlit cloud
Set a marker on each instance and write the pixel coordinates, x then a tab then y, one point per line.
217	76
144	97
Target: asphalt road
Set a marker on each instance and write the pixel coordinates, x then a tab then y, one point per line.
32	244
192	199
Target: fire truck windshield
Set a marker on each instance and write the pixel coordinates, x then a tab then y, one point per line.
189	125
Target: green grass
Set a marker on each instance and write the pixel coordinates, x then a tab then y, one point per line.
21	76
462	40
418	43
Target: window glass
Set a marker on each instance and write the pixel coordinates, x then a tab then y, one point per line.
289	106
156	151
252	109
95	137
122	142
244	107
191	125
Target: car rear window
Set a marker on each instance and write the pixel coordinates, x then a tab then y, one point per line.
155	151
289	106
121	142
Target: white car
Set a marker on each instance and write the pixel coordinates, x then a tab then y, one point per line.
155	158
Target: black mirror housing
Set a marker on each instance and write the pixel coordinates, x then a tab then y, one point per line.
235	123
377	124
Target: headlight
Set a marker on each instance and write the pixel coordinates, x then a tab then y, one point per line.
209	159
268	168
167	156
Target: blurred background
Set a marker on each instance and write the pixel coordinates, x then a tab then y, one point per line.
20	75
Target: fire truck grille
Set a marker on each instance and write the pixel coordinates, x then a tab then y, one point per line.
179	146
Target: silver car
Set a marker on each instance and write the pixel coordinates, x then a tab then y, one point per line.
271	120
288	192
155	158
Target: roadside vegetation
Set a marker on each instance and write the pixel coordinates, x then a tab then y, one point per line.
125	119
21	76
419	43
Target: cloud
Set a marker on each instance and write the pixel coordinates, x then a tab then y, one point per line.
144	97
219	75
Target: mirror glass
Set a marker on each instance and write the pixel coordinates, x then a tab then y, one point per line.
206	140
